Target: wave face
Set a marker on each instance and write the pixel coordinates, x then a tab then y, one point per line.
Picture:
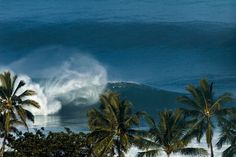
117	36
145	98
166	55
73	113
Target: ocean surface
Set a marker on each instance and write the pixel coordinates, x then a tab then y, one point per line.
72	51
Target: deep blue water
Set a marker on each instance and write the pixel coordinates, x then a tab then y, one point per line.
163	44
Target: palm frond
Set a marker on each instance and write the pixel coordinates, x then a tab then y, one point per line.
114	119
230	152
22	114
26	93
188	101
225	98
29	102
20	84
193	151
149	153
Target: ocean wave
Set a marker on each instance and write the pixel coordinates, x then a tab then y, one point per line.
77	81
110	36
222	83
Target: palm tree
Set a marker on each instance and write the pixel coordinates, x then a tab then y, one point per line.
228	136
203	107
13	103
169	135
112	126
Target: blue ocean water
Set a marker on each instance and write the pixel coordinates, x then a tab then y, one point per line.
71	51
52	11
166	55
163	44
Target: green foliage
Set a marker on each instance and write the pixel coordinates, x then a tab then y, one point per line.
112	126
170	135
13	104
203	106
58	144
228	136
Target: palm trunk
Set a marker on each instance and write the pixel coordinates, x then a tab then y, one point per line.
209	139
211	147
168	154
118	150
120	154
1	152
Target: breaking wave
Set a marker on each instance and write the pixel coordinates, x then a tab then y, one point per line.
78	81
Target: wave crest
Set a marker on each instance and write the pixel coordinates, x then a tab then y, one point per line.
78	81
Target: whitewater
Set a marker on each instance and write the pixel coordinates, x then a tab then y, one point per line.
78	81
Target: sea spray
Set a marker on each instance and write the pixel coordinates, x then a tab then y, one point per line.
40	97
77	81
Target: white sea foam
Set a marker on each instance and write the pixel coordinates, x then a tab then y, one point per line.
41	98
78	81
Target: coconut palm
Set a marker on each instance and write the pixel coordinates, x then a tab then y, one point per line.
169	136
112	126
228	136
13	103
203	107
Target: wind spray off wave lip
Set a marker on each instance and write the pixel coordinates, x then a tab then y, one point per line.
78	81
